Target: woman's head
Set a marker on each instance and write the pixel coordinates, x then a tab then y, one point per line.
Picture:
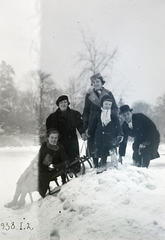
97	81
63	102
52	136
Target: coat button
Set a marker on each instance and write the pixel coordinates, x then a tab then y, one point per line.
102	132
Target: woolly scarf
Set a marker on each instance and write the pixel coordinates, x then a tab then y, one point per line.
105	116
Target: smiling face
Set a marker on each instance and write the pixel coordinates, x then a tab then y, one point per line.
97	84
53	138
107	105
127	116
63	105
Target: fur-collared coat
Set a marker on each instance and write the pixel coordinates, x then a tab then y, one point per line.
144	130
92	107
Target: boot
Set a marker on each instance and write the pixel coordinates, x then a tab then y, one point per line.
12	203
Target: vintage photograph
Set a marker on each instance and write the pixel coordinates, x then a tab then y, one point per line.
82	120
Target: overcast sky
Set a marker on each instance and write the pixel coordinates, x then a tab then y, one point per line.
46	34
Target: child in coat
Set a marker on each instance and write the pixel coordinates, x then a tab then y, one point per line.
108	132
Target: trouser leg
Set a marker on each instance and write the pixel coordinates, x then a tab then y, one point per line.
103	155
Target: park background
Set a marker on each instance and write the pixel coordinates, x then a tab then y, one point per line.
50	48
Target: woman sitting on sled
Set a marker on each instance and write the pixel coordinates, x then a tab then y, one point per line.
37	176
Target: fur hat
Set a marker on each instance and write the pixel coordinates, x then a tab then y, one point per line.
61	98
124	109
97	76
105	98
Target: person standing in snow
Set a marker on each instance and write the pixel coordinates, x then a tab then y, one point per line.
93	105
67	121
107	129
145	134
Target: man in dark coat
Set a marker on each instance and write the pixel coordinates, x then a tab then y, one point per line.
93	106
67	121
145	134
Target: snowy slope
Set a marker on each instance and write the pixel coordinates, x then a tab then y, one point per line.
118	204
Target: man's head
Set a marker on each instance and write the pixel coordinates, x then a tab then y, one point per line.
52	136
106	102
126	113
63	102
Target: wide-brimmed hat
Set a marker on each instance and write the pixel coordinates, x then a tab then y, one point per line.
125	108
97	76
61	98
105	98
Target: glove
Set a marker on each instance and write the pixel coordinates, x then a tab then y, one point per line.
84	137
119	139
143	145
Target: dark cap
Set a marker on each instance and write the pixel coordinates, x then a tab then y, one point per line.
97	76
51	130
105	98
125	108
61	98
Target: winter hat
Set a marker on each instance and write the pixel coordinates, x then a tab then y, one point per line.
61	98
51	130
97	76
105	98
125	108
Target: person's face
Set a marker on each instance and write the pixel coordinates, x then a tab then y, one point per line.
53	138
63	105
97	84
107	105
127	116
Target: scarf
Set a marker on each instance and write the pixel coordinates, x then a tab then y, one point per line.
105	116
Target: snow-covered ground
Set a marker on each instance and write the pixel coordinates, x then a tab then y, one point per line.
128	203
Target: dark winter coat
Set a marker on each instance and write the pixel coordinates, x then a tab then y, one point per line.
105	136
67	123
49	154
144	130
92	107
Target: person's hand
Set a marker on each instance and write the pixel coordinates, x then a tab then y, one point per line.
119	139
51	167
120	159
84	137
143	145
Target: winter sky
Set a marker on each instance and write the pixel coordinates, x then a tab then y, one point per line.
45	34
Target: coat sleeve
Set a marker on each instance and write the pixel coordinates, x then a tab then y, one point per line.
79	123
123	144
150	128
93	125
86	111
41	166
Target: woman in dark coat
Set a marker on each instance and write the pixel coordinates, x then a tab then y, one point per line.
67	121
145	134
93	106
51	153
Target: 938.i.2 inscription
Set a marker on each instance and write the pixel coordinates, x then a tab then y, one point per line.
22	225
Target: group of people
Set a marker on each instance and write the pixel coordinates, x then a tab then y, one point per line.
100	126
